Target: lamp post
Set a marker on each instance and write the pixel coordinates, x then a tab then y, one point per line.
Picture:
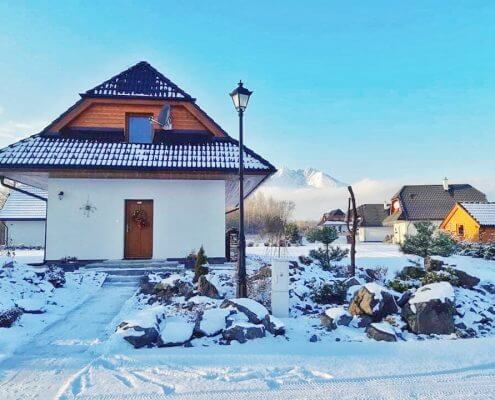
240	96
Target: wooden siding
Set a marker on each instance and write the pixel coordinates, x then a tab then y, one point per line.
109	115
458	217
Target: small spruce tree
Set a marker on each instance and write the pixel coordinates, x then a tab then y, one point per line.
292	233
427	242
199	265
326	236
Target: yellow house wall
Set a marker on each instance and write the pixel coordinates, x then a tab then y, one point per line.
461	217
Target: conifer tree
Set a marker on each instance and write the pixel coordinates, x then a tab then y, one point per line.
199	265
427	242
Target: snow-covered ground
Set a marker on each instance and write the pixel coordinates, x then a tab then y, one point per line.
78	357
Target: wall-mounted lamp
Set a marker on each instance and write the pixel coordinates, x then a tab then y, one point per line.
60	195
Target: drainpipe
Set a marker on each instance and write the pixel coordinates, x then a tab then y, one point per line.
28	193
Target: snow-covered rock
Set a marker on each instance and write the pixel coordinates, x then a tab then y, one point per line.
32	305
274	325
373	300
381	331
211	322
255	311
175	331
174	285
430	310
243	331
334	317
206	288
141	328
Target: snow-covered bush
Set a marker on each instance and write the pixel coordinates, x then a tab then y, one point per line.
330	293
56	276
444	275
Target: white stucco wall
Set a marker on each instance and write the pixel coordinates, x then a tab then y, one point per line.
403	228
374	234
27	233
186	215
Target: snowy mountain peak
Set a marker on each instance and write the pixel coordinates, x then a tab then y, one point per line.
301	178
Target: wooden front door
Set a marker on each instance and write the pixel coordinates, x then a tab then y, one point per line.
138	229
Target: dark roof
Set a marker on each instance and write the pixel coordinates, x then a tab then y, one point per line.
140	80
432	202
334	215
42	151
20	206
371	214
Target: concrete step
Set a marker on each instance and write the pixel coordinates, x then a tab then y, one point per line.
133	264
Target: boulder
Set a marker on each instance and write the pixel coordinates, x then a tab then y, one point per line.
465	280
381	331
313	338
174	285
335	316
206	288
362	321
243	331
404	298
211	322
373	300
175	332
142	337
9	317
431	309
274	325
32	305
255	311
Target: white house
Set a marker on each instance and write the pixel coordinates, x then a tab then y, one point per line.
421	203
120	185
371	227
23	217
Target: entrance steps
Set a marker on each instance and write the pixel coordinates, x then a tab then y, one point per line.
129	272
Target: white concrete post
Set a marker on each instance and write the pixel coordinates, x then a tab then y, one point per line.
280	288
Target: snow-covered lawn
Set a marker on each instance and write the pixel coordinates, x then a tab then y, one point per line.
81	356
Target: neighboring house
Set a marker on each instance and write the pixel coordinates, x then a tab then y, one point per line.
335	218
122	186
23	218
473	222
415	203
371	227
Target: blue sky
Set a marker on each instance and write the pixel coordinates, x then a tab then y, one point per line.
387	90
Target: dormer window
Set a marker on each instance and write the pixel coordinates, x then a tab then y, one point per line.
139	128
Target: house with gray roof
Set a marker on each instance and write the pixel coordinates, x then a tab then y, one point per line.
23	217
416	203
371	228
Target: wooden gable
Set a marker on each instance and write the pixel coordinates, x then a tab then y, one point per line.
111	113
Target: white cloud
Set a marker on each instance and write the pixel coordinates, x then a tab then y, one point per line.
11	131
311	203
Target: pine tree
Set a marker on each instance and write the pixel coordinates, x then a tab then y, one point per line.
292	233
199	265
325	235
428	242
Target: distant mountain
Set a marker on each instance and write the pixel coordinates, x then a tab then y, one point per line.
302	178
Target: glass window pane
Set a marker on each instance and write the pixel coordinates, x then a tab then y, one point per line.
139	129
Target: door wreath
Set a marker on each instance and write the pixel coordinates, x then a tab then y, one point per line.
140	217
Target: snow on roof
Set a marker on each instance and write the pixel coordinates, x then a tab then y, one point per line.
140	80
483	213
442	291
40	151
20	206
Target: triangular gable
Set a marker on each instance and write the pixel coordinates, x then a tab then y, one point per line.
140	80
457	209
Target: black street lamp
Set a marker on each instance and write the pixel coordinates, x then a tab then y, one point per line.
240	96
